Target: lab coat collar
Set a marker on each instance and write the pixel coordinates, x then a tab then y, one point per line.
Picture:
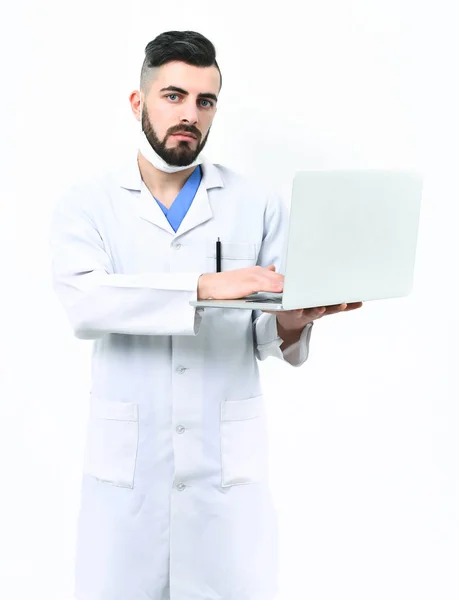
130	178
200	210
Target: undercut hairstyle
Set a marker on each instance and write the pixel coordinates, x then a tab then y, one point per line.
189	47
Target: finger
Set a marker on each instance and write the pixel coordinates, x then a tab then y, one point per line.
350	304
343	307
354	305
274	283
315	312
336	308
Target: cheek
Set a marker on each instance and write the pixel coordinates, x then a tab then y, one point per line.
163	119
205	132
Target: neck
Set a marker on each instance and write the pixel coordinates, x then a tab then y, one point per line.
160	182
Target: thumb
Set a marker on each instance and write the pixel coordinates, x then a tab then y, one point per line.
272	267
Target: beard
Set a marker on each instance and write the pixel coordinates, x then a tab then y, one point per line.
180	155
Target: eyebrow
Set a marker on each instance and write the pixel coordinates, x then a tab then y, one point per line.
173	88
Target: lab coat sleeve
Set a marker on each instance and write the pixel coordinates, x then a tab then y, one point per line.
97	300
272	252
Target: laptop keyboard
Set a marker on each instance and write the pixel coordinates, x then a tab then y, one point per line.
266	300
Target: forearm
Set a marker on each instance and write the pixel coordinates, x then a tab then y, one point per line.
142	304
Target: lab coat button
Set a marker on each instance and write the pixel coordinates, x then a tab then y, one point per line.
177	246
180	370
180	429
181	487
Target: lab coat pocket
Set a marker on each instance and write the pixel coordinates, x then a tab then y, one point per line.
234	255
111	442
244	443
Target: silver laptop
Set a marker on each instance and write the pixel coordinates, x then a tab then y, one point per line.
352	237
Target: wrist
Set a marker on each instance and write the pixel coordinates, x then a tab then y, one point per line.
288	336
205	286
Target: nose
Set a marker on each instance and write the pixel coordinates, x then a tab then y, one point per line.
189	113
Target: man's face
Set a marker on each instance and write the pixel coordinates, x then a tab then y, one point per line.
165	112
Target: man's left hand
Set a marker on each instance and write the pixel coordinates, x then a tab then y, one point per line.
290	323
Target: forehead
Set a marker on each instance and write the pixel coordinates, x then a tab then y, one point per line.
195	80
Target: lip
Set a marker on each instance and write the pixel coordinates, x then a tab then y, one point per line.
184	136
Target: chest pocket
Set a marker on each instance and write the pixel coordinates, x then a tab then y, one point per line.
234	255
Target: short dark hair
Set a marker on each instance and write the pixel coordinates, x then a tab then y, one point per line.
186	46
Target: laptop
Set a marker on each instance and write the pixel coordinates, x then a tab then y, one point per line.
352	237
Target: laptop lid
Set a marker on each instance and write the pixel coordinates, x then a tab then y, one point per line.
352	236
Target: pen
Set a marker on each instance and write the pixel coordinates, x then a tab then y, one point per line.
218	254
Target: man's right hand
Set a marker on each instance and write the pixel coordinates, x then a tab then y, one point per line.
238	283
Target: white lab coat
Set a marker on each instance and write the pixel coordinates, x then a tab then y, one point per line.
175	500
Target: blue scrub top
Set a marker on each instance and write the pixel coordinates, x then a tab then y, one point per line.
176	213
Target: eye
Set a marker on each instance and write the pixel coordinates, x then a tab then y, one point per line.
210	103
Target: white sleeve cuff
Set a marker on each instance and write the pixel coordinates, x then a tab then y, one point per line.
269	342
266	336
297	353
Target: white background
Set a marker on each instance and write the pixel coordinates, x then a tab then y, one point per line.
364	436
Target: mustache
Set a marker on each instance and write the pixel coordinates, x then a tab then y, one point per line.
186	130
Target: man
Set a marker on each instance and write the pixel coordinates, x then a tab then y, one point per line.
175	498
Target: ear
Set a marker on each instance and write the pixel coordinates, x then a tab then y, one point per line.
136	100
